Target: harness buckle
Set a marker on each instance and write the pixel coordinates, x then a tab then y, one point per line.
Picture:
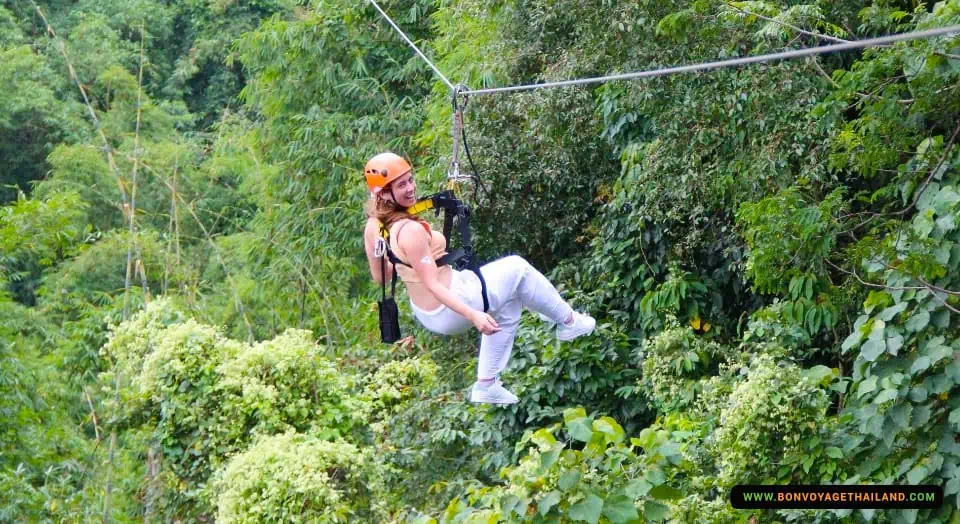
380	248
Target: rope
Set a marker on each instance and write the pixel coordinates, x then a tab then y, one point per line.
415	48
453	173
796	53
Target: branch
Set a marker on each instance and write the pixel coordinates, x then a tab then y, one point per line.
927	286
816	64
934	287
916	198
870	284
86	102
933	172
790	26
93	415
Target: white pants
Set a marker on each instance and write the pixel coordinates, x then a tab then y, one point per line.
512	284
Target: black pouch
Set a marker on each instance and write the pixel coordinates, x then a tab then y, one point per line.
389	320
388	310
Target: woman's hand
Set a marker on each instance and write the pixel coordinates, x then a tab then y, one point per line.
484	322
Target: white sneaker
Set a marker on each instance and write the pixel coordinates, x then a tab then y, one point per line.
495	393
581	325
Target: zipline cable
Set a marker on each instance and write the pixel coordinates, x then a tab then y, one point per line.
414	46
795	53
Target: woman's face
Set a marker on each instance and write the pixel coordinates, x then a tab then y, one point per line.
404	189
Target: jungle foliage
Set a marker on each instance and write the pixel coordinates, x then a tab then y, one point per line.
188	328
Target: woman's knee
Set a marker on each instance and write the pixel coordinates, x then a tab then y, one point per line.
518	262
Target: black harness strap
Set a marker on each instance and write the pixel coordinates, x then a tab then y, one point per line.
462	257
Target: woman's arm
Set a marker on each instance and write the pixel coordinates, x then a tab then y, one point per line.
416	245
370	235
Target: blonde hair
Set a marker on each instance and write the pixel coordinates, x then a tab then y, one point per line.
389	212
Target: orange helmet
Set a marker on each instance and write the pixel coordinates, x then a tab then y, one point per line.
383	169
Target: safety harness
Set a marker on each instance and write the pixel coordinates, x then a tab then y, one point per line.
454	210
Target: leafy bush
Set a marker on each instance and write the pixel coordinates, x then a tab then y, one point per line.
396	383
770	419
673	362
131	342
297	478
181	381
595	475
285	384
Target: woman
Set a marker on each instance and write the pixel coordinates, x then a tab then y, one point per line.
447	301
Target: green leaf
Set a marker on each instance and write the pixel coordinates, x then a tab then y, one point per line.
923	224
918	321
945	224
569	480
638	488
917	474
867	386
665	492
587	510
509	503
544	439
920	365
654	510
894	344
910	515
876	298
570	414
548	501
620	509
580	429
918	394
941	318
887	314
656	476
646	439
852	340
818	373
900	414
945	200
937	351
834	452
953	371
549	458
873	349
610	428
885	396
954	418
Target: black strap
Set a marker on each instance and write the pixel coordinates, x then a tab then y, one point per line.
383	279
483	285
462	257
463	225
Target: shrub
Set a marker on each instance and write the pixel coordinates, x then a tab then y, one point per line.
130	342
771	415
596	474
397	383
182	390
673	362
296	478
285	383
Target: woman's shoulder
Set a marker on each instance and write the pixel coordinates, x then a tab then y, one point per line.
372	227
401	224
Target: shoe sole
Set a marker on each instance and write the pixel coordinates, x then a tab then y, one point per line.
490	401
568	338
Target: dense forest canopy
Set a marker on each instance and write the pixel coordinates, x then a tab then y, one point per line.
188	330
